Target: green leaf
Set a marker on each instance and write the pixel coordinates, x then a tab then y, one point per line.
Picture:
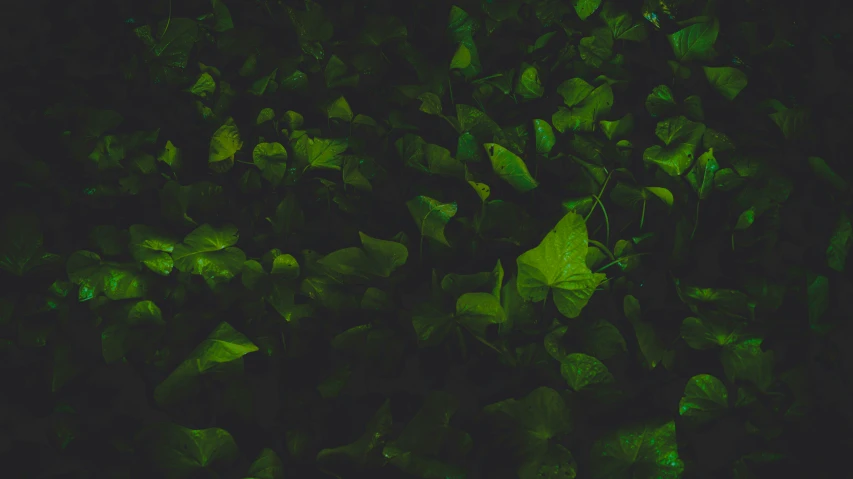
649	450
131	332
312	28
225	142
461	59
339	108
528	85
221	16
385	256
701	176
366	450
818	301
510	167
431	325
746	361
267	466
621	24
540	416
680	137
726	80
581	371
210	253
587	106
175	39
574	91
483	190
94	276
545	139
823	171
178	452
585	8
336	74
353	174
705	398
152	249
380	29
597	48
558	265
286	266
223	345
431	216
478	310
22	245
618	129
271	159
556	463
708	333
661	102
695	42
425	436
320	152
840	243
203	86
431	103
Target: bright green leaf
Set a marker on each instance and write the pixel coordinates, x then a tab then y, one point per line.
431	216
510	167
558	265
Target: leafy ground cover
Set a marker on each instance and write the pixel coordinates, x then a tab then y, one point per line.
499	238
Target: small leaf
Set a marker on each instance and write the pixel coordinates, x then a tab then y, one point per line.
510	167
581	371
431	216
271	159
545	139
529	86
482	189
431	103
461	59
585	8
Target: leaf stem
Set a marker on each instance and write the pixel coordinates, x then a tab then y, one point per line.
696	221
619	260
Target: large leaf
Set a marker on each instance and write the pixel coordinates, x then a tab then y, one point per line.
558	264
224	143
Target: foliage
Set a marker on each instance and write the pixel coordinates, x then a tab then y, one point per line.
499	238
